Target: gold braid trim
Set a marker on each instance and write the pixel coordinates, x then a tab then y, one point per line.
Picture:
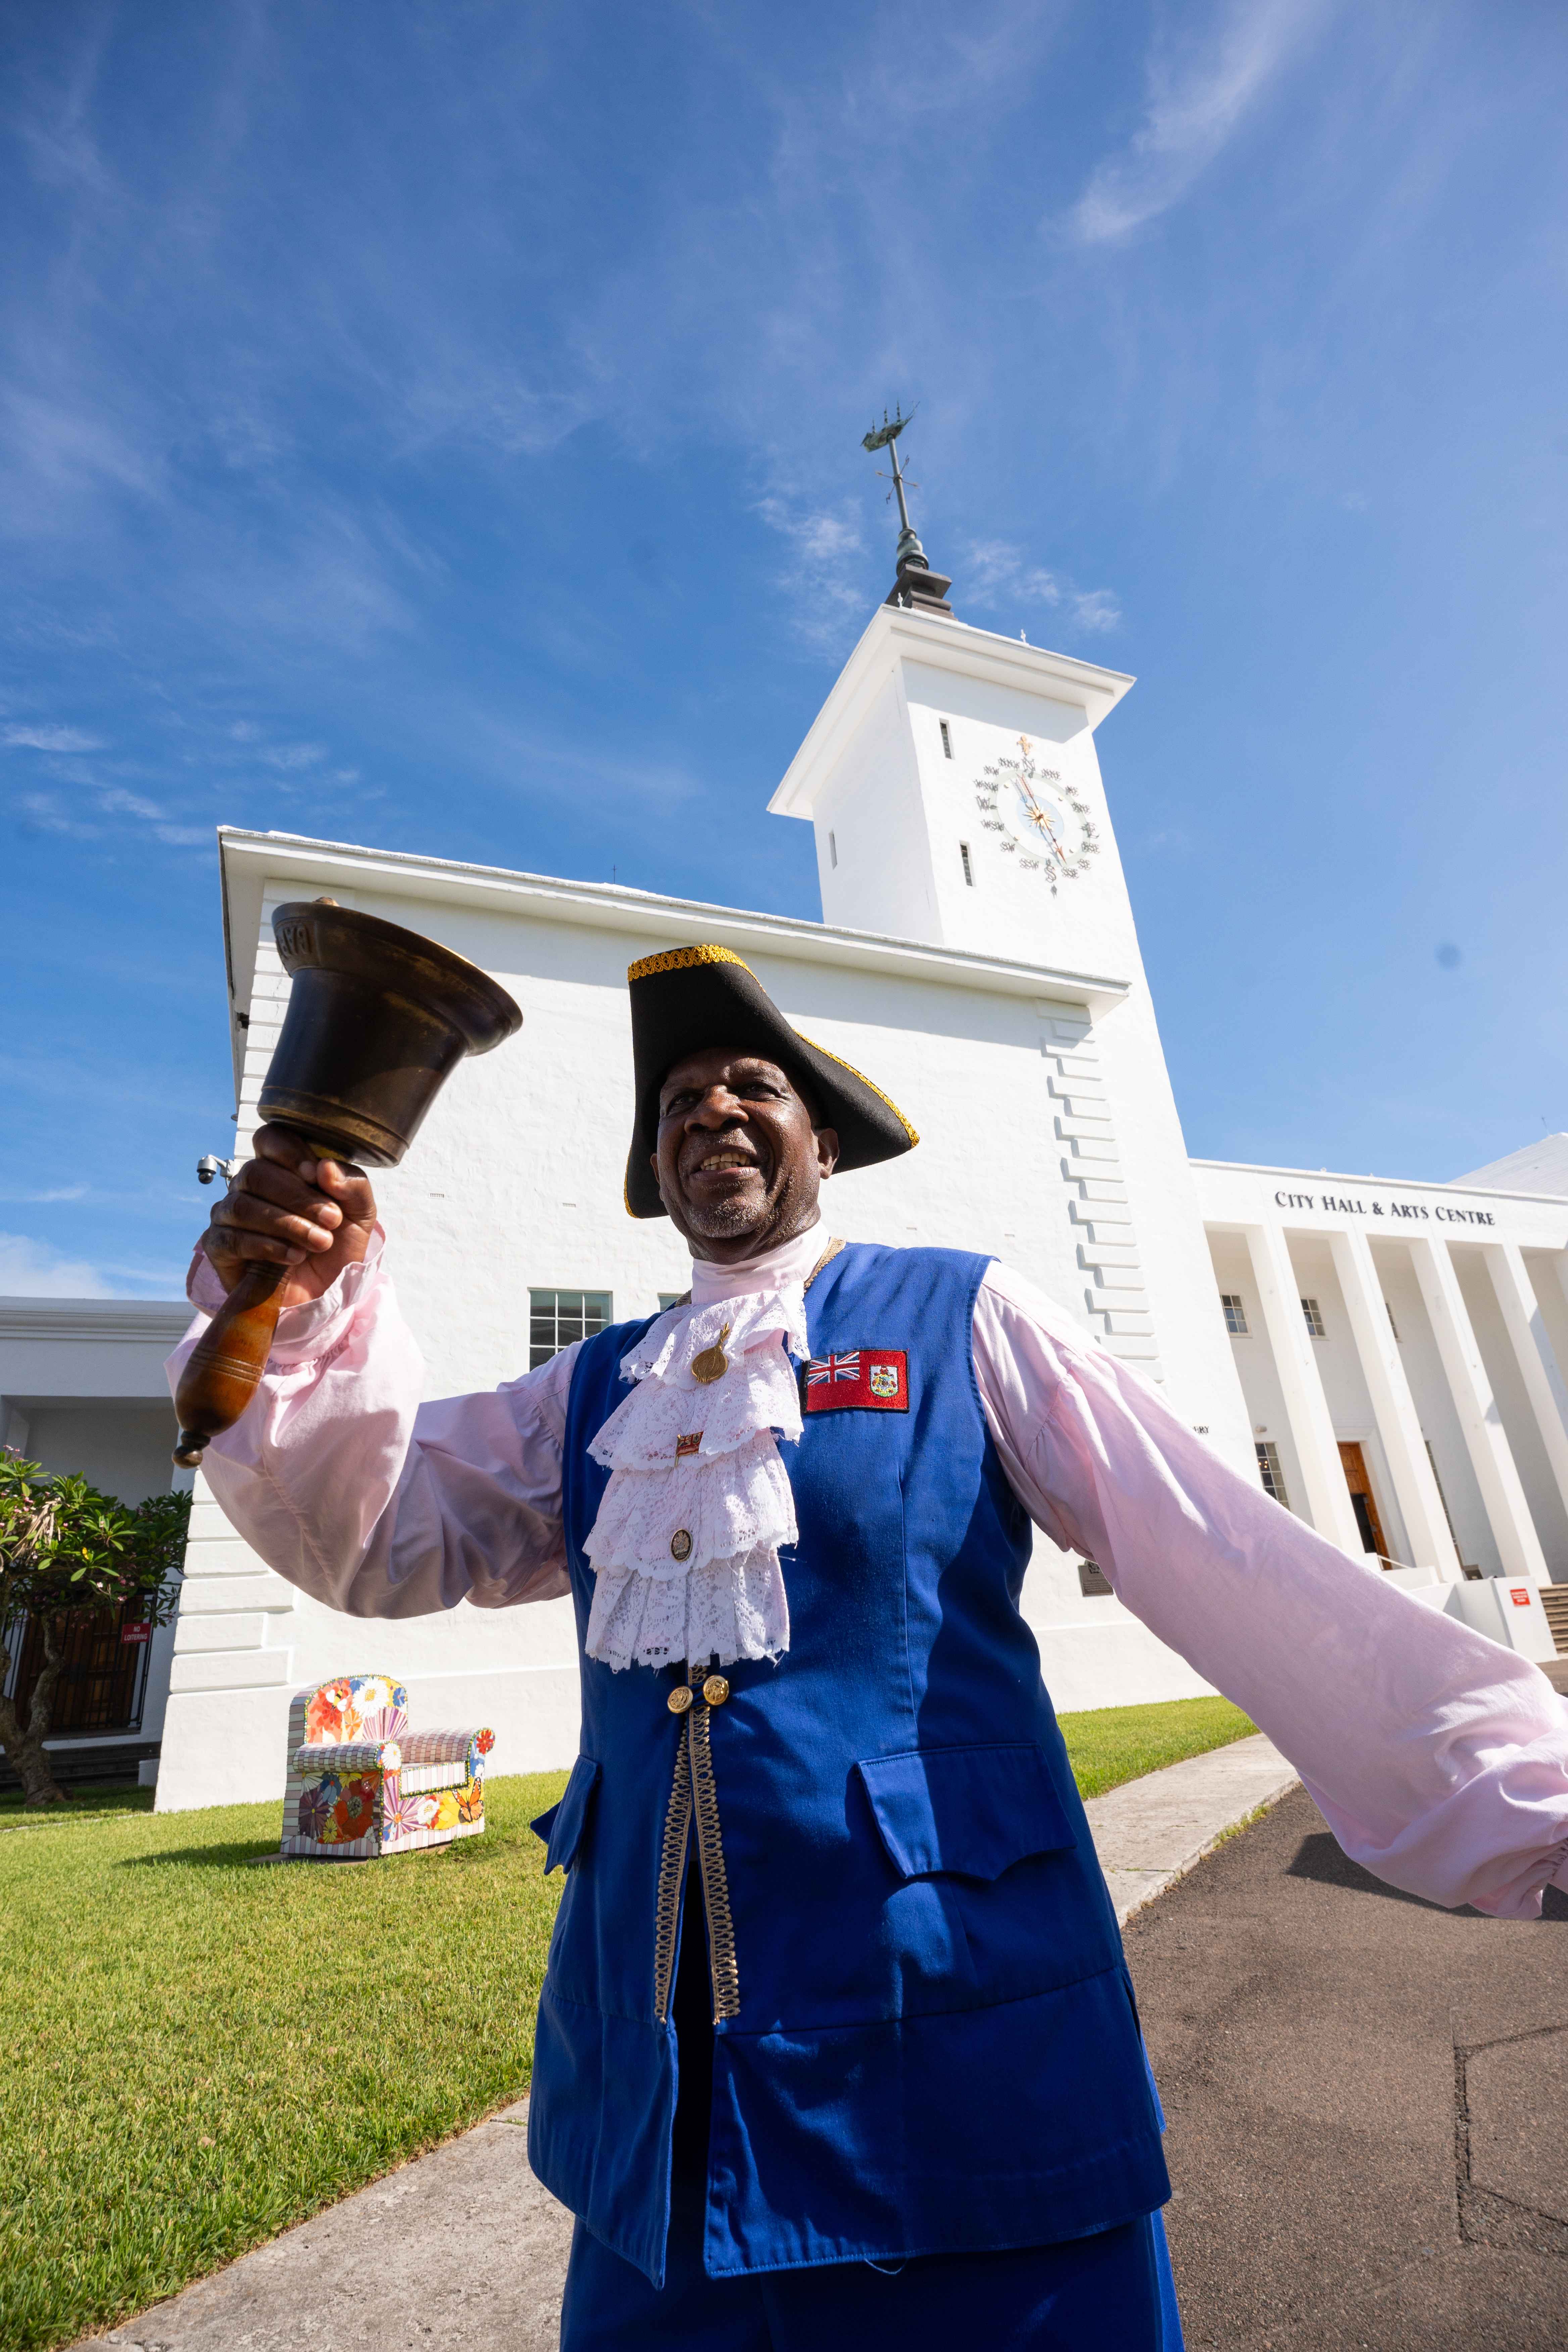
682	960
726	1979
671	1870
865	1081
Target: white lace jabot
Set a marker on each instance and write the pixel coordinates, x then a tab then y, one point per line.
686	1544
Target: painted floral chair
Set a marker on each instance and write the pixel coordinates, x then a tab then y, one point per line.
361	1784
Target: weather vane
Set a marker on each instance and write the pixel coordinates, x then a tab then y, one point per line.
886	436
917	585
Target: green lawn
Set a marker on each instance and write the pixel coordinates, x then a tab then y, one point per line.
1111	1744
195	2053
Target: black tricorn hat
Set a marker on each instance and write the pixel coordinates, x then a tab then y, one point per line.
689	998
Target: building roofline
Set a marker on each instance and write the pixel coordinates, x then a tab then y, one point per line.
139	1319
248	860
938	644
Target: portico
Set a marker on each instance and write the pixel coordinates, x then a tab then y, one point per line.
1400	1349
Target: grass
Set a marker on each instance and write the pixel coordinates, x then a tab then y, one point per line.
194	2054
1108	1745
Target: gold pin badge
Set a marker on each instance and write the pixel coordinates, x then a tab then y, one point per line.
712	1363
680	1544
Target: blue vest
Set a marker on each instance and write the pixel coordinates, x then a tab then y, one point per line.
925	2037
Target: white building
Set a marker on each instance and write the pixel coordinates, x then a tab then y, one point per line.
1387	1355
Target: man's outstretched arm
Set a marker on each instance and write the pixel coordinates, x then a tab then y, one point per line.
1438	1759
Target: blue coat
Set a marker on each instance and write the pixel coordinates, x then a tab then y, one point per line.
925	2036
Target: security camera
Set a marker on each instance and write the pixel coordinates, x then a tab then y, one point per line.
209	1166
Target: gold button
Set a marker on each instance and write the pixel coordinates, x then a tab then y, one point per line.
680	1544
680	1700
715	1690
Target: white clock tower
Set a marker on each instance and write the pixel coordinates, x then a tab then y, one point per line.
953	783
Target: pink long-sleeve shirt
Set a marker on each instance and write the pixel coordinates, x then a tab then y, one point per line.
1438	1759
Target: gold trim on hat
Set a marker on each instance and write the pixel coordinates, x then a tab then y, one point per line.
865	1081
682	960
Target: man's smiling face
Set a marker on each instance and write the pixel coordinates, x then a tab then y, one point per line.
738	1160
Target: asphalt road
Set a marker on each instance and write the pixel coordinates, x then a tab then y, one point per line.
1368	2106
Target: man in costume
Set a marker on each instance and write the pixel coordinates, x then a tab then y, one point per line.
837	2045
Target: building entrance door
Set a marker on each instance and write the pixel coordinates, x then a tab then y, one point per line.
1361	1500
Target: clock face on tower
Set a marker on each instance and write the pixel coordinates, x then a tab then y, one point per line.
1042	822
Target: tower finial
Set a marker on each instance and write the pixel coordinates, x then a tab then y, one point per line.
916	587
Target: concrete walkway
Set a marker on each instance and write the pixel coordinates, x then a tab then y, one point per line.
462	2251
1150	1832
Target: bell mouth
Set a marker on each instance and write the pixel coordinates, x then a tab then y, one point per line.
334	1129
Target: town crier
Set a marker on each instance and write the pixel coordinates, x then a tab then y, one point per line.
836	2045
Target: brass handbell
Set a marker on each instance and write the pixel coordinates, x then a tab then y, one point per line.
378	1019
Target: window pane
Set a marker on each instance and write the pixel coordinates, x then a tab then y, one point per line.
557	1317
1272	1474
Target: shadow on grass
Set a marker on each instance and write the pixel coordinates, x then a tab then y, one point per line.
204	1858
247	1851
1321	1857
86	1799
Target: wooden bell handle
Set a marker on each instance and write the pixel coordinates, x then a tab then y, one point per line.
226	1365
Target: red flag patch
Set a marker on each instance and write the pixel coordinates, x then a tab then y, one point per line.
873	1377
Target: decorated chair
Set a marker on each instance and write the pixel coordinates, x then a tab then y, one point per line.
361	1784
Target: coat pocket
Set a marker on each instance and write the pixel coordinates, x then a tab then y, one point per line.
970	1812
561	1827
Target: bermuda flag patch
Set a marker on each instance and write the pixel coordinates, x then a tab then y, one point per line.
873	1377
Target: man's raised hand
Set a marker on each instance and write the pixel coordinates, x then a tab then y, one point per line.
285	1208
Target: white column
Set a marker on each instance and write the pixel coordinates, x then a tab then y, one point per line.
1327	1497
1513	1529
1537	1358
1393	1406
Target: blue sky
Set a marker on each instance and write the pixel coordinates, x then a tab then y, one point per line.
439	426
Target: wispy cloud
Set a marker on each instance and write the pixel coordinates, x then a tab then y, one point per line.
117	801
996	576
91	817
49	738
829	550
1202	89
33	1269
30	1269
48	813
59	450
